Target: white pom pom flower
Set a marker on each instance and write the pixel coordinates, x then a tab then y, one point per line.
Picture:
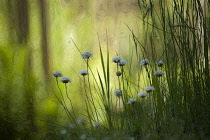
83	72
159	73
159	63
142	94
121	63
149	89
86	55
71	125
65	79
63	131
131	101
144	62
116	59
80	120
97	124
57	73
118	92
118	73
83	136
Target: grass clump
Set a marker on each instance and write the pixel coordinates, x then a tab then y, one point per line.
164	92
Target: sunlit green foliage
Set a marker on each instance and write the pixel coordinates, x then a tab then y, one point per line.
37	38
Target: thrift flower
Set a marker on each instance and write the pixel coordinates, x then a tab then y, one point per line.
144	62
83	72
86	55
116	59
149	89
97	124
121	63
83	136
131	138
158	73
65	80
106	138
80	120
142	94
118	92
132	101
63	131
57	74
159	63
71	125
118	73
90	138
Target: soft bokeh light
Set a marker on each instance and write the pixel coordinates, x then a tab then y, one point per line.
38	37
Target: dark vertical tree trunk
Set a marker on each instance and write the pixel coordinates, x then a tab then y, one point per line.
18	20
44	29
23	26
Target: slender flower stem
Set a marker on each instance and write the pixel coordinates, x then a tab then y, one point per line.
85	86
87	104
70	100
60	101
63	103
148	74
123	86
91	91
123	78
119	82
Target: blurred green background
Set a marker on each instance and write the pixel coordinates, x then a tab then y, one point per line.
40	36
36	38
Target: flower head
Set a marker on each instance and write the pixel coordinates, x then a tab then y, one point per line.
57	73
142	94
159	63
63	131
65	80
106	138
118	92
86	55
97	124
80	120
83	72
83	136
149	89
158	73
116	59
71	125
144	62
91	138
118	73
132	138
132	101
121	63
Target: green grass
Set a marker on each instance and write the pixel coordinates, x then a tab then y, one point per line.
176	32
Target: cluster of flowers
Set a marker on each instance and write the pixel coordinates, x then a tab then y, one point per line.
80	121
121	62
157	73
144	62
118	93
64	79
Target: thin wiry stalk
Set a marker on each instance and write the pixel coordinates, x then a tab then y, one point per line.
64	103
70	100
91	94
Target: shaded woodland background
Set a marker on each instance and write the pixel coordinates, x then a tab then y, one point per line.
38	37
